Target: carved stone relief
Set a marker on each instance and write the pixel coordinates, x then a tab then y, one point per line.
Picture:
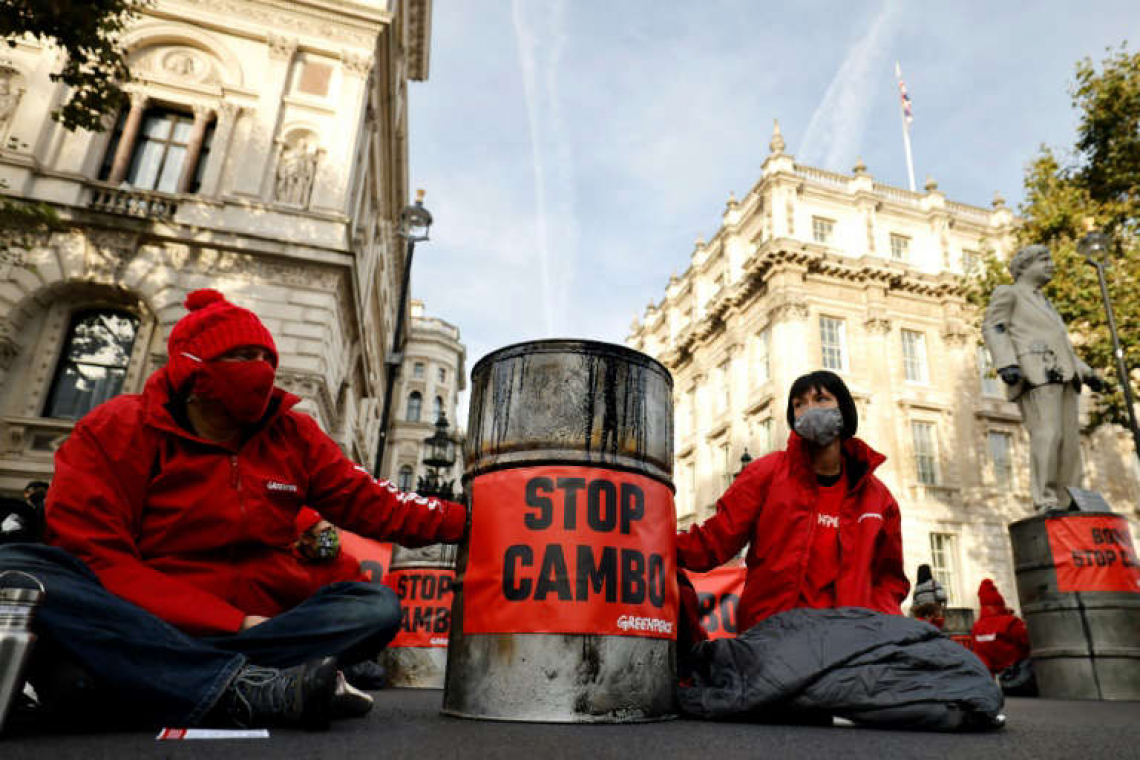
296	169
177	63
299	22
11	90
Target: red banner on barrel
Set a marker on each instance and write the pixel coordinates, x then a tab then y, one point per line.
374	556
571	550
1093	553
719	593
425	605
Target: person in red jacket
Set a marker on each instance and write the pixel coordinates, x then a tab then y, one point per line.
821	530
170	573
1000	637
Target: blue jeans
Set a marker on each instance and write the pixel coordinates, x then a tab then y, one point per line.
157	674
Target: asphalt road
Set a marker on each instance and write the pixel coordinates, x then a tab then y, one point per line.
405	723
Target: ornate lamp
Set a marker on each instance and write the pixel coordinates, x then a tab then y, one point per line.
415	220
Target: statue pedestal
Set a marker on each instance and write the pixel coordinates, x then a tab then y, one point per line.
1079	586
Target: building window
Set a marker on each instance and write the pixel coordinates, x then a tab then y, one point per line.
991	386
766	431
944	563
94	362
914	356
404	479
900	247
726	465
160	151
1001	456
415	402
925	452
724	392
762	364
437	408
822	229
833	341
418	370
442	375
970	261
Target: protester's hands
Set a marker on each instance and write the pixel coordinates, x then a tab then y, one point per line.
252	620
1010	375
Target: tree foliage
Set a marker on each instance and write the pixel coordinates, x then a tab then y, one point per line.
1098	180
87	30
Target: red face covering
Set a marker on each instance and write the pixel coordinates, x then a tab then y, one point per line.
242	388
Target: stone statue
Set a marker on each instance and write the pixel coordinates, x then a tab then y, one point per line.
295	173
1031	350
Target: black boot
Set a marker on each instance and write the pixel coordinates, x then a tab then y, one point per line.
298	696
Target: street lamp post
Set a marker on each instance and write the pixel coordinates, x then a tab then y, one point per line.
414	223
439	454
745	460
1095	248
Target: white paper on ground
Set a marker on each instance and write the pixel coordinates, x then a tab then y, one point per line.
170	734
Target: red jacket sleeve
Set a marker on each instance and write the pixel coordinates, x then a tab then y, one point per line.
353	499
889	584
719	538
94	506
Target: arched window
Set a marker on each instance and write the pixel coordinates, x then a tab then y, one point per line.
94	362
415	402
159	151
404	479
437	408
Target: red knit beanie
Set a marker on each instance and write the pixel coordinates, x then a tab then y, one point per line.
213	327
989	596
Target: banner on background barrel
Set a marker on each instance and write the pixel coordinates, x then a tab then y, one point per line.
719	593
571	549
425	605
1093	553
374	556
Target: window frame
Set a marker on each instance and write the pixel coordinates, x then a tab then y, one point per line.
74	317
904	242
920	456
915	365
822	230
418	398
842	343
1009	481
946	573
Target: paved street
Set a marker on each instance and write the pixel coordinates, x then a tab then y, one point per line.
406	724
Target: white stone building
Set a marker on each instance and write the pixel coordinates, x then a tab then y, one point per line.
432	376
813	269
264	153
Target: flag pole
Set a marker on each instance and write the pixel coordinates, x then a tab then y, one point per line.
907	117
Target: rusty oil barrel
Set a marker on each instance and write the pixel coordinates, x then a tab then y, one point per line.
423	579
562	407
1084	644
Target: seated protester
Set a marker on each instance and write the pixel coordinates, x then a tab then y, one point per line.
22	521
1000	637
822	531
929	601
170	574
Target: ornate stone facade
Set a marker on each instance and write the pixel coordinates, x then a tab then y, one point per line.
434	367
238	165
816	269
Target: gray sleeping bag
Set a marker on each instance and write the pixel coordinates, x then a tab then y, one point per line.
865	666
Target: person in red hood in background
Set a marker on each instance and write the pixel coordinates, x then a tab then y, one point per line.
170	575
1000	637
821	530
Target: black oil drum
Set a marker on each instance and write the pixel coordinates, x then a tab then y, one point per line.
565	603
1084	644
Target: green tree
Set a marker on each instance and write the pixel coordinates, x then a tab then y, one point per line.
1098	181
87	30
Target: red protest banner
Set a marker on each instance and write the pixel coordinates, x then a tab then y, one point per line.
425	605
374	556
1093	553
571	550
719	592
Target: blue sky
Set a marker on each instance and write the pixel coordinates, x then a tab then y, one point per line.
572	151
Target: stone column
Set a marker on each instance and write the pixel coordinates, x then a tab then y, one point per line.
202	114
127	139
256	178
223	134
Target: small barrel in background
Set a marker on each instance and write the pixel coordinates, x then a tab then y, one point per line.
1084	644
570	406
423	579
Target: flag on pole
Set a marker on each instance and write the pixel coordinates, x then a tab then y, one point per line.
908	114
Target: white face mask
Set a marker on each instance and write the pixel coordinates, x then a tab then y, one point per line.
820	426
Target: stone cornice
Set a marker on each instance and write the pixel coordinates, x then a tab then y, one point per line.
418	44
344	23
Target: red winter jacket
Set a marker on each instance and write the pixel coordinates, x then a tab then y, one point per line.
1000	637
771	506
200	533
